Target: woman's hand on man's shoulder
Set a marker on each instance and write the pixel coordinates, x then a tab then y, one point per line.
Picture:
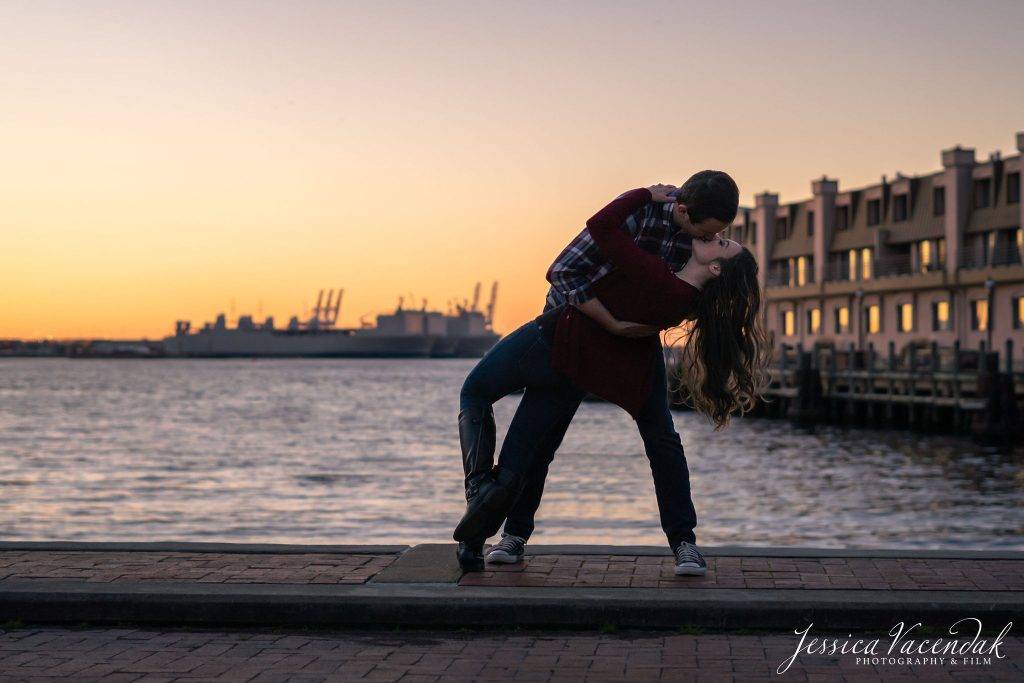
662	193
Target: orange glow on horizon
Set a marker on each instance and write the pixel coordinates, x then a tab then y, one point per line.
163	160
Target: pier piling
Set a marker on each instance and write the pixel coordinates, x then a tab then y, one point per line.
973	392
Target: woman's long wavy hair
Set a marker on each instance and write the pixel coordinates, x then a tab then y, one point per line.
725	349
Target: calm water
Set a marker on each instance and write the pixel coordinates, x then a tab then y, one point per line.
354	451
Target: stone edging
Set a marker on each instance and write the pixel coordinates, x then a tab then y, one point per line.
201	547
533	549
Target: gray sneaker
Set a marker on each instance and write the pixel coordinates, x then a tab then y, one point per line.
509	550
689	561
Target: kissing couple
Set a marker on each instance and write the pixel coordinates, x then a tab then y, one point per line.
651	260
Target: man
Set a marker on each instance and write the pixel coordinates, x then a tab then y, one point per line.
706	204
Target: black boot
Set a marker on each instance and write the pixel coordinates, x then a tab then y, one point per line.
471	556
477	438
490	504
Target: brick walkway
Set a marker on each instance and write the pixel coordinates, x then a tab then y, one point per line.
356	586
105	567
620	571
564	571
115	655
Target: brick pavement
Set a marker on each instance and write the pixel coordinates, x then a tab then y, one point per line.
107	566
327	587
114	655
619	571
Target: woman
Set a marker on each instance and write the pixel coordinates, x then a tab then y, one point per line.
568	352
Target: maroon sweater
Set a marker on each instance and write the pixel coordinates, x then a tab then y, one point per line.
641	289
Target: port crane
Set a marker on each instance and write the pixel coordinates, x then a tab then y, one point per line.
489	318
325	315
474	307
476	297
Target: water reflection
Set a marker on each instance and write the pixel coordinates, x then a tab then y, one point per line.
340	451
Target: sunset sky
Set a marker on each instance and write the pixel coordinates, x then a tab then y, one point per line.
161	160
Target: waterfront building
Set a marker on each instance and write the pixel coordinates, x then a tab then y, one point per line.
911	259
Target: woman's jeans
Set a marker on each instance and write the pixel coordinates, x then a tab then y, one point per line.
522	360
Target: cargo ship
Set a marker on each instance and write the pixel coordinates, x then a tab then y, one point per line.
463	331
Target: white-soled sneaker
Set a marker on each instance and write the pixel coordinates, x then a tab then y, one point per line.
509	550
690	561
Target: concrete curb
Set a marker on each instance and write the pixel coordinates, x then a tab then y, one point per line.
777	551
534	549
201	547
449	605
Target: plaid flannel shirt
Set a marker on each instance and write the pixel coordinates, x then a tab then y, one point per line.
581	264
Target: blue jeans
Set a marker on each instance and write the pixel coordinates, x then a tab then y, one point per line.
664	452
522	360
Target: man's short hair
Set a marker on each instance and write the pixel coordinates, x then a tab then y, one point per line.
710	194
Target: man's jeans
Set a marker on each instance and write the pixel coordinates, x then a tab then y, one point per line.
522	360
664	451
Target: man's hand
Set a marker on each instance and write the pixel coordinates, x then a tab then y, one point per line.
628	329
663	193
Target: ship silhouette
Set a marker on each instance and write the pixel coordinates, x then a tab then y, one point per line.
463	331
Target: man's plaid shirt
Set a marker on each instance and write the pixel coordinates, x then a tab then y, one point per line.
581	264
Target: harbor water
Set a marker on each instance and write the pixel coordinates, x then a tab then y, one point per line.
366	451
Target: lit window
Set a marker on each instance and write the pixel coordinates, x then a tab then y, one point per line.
925	252
906	317
940	247
979	315
853	264
941	321
814	320
865	264
842	319
990	247
874	319
1018	312
801	271
788	326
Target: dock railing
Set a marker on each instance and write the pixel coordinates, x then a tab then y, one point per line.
921	386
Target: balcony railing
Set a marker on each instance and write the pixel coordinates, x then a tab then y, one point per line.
838	271
782	278
903	264
914	357
893	264
979	258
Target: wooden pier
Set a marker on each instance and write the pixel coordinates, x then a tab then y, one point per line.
923	387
